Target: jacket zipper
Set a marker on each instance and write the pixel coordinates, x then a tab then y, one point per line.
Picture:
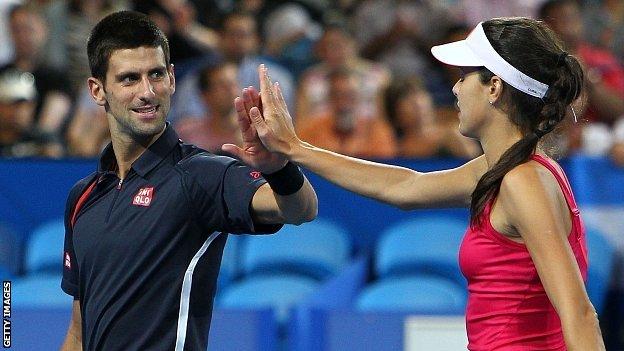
110	210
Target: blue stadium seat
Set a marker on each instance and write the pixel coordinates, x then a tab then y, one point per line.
601	261
11	257
5	273
427	245
39	291
279	292
44	249
414	294
317	249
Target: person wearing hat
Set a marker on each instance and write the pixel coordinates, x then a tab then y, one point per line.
524	253
17	103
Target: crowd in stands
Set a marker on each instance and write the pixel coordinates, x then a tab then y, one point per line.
358	76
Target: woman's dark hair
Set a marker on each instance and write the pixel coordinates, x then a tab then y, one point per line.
531	47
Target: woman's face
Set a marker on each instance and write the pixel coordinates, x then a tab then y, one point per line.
472	102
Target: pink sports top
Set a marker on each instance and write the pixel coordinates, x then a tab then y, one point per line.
507	306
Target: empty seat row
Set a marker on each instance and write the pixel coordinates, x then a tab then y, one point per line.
418	251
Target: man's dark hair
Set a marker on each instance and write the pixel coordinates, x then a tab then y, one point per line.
545	11
340	72
122	30
204	81
398	90
17	8
225	19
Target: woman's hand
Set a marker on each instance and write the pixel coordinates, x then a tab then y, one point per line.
269	115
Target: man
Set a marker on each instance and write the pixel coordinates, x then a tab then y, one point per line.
240	43
343	128
29	33
145	233
336	49
605	74
17	103
218	87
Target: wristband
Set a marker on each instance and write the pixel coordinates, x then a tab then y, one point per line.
286	181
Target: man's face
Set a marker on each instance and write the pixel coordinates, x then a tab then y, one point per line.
223	90
29	33
239	37
16	116
137	91
344	96
335	48
567	22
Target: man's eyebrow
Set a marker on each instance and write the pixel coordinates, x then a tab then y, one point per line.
158	68
123	74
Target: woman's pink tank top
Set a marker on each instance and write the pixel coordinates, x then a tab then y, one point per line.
507	306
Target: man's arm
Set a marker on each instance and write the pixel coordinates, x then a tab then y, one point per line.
288	197
269	207
73	340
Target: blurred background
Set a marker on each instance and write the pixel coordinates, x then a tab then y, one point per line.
359	79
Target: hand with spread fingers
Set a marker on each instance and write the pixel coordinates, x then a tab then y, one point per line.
253	151
270	116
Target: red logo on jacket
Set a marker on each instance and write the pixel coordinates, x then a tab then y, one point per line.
255	174
143	197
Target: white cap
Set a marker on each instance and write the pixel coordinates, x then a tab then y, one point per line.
291	19
476	51
16	85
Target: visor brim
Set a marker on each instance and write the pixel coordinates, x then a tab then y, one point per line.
456	54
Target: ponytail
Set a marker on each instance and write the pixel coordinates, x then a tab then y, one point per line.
534	49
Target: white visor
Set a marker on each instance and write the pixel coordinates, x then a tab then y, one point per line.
476	51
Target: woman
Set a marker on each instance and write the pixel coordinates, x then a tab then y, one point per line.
524	253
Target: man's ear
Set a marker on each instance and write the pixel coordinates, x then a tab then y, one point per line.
171	73
96	89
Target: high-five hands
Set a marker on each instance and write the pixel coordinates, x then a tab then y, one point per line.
253	152
266	126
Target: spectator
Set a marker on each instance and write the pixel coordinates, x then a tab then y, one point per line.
605	75
18	138
443	77
219	87
240	44
188	39
55	13
617	151
53	100
82	16
88	132
475	11
398	33
411	112
6	49
290	36
604	23
343	129
337	50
